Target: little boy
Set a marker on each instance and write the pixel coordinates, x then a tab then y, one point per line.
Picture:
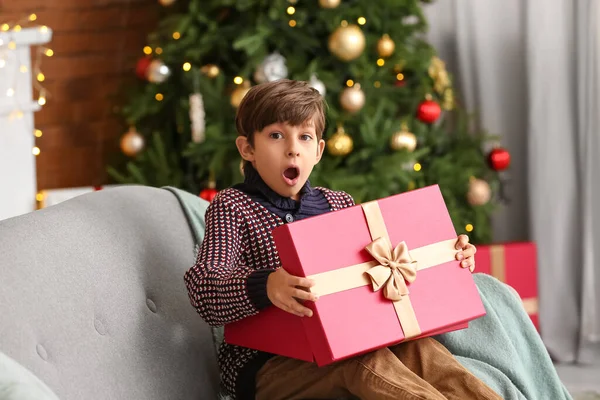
238	272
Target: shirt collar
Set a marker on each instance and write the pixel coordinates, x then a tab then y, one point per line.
253	179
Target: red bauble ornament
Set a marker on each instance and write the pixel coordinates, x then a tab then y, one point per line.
208	194
141	68
429	111
499	159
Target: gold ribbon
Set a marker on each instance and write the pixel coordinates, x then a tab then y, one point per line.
394	270
498	271
390	269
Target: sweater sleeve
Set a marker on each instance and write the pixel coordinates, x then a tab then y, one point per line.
220	287
348	199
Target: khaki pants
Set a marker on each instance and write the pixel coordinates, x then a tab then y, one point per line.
419	369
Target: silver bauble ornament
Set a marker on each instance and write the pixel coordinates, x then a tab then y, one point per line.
271	69
158	72
315	83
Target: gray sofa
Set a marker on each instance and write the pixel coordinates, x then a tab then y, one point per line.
93	301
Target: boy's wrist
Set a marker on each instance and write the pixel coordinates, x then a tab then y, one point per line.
257	288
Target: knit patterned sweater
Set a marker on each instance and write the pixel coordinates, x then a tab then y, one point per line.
228	281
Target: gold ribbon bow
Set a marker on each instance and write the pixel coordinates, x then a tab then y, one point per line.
395	268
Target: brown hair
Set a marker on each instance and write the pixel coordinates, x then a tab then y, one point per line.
281	101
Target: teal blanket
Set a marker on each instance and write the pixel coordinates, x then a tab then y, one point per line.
503	348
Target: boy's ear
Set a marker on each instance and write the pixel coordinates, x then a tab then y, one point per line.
320	149
244	147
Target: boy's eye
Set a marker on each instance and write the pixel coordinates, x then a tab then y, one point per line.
276	135
306	137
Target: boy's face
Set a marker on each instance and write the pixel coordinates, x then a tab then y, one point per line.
283	155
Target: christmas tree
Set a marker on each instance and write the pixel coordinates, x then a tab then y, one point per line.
392	121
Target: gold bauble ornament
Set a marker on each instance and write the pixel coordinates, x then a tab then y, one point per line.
352	99
210	70
340	144
404	139
132	142
448	103
329	3
239	93
479	192
347	42
385	46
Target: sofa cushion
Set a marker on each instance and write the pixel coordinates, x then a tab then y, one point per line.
94	300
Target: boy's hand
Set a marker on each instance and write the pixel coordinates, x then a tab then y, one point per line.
465	253
286	291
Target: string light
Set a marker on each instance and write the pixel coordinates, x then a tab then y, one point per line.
39	196
349	83
38	133
377	84
344	23
238	80
417	167
469	228
147	50
362	21
35	151
159	96
176	35
292	23
187	66
158	50
381	62
24	66
291	10
400	76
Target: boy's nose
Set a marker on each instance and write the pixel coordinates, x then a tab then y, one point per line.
293	150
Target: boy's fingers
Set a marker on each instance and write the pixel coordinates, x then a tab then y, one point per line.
462	241
300	309
302	282
304	295
469	251
290	310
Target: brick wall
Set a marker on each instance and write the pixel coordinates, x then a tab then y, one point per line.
96	44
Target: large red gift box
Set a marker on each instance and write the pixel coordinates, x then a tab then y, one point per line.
515	264
385	272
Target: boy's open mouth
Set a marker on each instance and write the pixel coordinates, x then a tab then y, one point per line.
291	175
